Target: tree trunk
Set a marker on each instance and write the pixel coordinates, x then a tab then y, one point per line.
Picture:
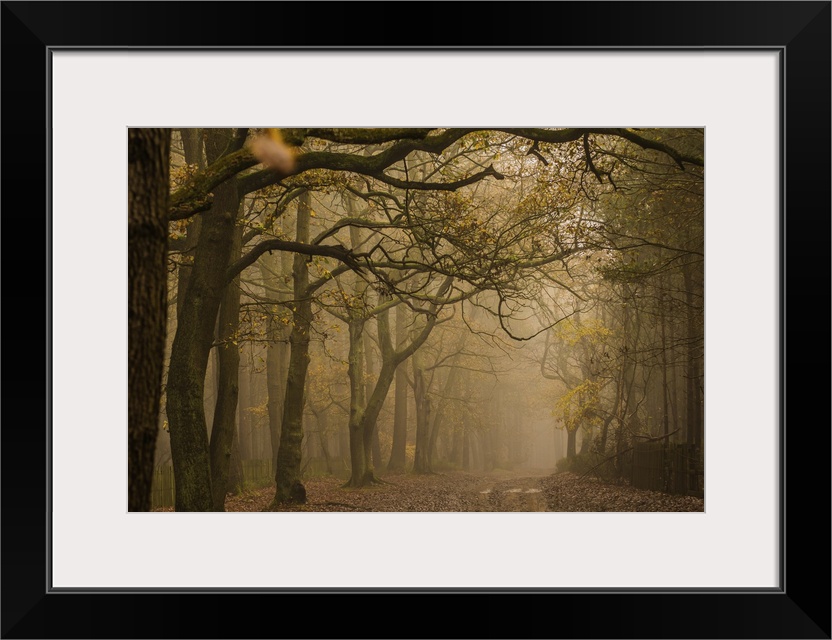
694	407
192	145
212	381
369	375
487	449
243	415
287	477
192	346
558	444
323	435
674	389
359	460
360	371
477	456
398	453
466	448
450	384
586	440
370	418
194	154
236	480
273	273
602	445
148	163
228	350
456	446
391	359
421	463
367	419
571	443
376	449
275	382
344	446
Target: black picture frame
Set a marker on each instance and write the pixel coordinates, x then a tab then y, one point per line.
800	608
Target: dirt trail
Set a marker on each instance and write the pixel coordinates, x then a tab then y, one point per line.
511	492
457	491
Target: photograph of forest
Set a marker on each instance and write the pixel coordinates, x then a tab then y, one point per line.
416	319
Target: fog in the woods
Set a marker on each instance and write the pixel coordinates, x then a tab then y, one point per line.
419	320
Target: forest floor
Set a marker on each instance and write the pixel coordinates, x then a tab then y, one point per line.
456	491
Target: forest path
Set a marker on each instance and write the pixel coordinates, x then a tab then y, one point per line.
510	491
452	491
521	490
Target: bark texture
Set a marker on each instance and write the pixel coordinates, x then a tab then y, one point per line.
287	476
148	153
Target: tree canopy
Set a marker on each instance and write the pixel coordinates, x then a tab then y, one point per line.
576	250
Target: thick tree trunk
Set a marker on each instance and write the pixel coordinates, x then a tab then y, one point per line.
287	477
192	346
148	162
228	350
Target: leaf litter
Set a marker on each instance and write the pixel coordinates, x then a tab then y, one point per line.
456	491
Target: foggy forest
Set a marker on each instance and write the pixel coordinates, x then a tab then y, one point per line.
416	320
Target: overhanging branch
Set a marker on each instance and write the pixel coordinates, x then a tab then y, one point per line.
337	252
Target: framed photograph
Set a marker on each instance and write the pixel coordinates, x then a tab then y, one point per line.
752	80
